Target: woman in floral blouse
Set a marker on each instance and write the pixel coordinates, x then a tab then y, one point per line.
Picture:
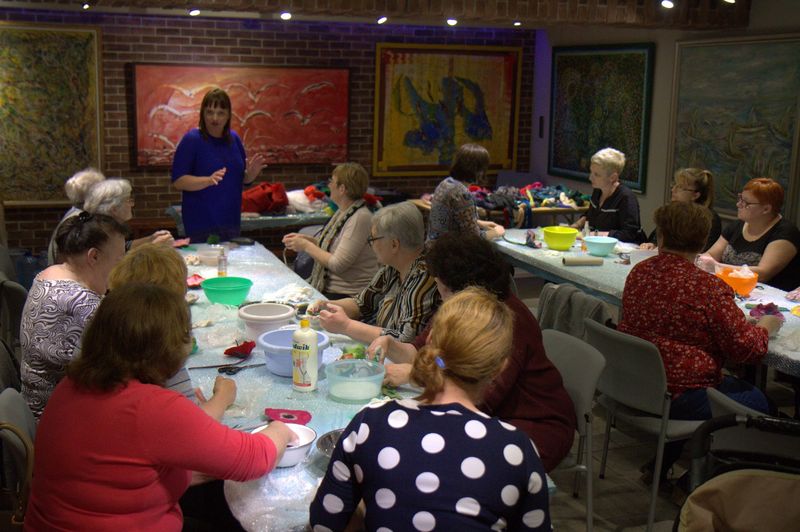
692	317
452	206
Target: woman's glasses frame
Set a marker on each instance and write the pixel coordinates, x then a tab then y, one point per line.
371	239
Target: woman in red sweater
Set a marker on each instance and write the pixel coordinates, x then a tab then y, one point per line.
114	449
692	317
528	392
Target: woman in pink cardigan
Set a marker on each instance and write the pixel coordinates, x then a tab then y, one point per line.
114	449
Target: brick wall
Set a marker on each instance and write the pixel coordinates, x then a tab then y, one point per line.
128	39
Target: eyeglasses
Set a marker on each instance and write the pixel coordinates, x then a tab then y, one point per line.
371	239
741	201
131	200
679	187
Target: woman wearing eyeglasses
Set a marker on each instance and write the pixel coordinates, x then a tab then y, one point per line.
761	238
343	262
693	185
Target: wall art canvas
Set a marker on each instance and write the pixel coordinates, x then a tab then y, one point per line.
50	105
600	97
289	115
430	99
736	112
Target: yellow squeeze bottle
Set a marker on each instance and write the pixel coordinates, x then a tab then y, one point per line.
304	358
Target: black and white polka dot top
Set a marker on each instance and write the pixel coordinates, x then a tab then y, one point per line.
432	467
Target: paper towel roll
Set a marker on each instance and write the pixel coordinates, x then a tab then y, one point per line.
582	261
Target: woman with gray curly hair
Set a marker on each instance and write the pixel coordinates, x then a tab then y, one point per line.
402	296
113	197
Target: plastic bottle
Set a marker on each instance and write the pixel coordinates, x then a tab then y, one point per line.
304	358
586	232
222	264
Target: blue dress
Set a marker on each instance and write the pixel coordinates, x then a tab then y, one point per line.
215	209
432	467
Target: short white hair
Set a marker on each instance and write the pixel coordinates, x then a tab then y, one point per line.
402	221
107	195
79	184
610	160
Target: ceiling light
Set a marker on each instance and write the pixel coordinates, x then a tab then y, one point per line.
194	12
86	6
517	23
286	15
452	22
382	20
730	1
667	3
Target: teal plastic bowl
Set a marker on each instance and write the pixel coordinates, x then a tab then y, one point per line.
227	290
600	246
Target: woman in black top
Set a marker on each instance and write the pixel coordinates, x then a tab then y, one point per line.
693	185
613	209
761	238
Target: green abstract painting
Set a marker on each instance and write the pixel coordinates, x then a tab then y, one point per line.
738	106
49	109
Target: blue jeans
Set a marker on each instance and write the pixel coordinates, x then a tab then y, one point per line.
693	405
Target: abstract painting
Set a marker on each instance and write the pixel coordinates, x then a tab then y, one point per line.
600	97
289	115
430	99
50	105
737	110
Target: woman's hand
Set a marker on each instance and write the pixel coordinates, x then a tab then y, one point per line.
225	390
647	245
379	348
254	166
296	242
334	319
771	323
397	374
217	176
794	295
706	263
493	230
317	306
280	434
162	237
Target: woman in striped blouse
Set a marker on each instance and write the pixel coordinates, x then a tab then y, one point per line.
402	296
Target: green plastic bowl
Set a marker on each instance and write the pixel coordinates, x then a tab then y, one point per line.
227	290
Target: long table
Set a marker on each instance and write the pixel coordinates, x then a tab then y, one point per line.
254	223
568	213
608	282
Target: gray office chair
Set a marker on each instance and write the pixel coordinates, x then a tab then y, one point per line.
633	389
12	300
580	366
17	432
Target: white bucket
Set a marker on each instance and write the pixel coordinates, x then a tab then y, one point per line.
259	318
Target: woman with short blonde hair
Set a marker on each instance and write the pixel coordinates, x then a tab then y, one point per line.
343	262
438	462
76	189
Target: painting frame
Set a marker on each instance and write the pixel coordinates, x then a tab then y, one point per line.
621	76
47	139
289	114
748	122
405	145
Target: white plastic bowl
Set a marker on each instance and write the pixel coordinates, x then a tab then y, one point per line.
294	454
259	318
277	347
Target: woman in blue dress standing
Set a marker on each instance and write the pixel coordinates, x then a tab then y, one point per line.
210	167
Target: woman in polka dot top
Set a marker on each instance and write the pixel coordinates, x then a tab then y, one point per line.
437	462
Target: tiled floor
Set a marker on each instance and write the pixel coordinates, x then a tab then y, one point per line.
621	500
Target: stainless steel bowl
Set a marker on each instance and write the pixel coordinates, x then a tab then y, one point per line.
327	441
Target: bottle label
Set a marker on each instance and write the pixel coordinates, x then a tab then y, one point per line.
301	378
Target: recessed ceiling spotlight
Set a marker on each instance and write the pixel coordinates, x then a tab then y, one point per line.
517	23
667	3
730	1
194	12
86	6
382	20
286	15
452	22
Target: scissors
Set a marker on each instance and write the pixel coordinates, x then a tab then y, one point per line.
232	369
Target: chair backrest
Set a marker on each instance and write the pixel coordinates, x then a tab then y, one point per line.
563	307
17	432
580	366
9	367
634	373
6	264
721	404
12	300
